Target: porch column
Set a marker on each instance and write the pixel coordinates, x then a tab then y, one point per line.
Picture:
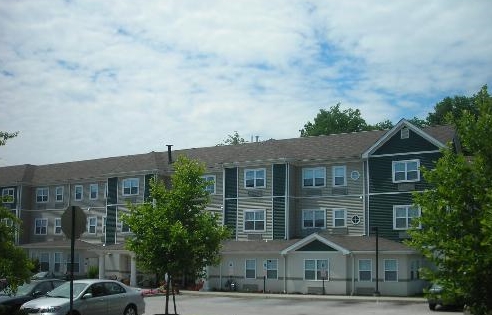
133	271
102	265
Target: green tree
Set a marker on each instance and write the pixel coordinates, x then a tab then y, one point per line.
173	235
456	222
233	139
451	108
14	263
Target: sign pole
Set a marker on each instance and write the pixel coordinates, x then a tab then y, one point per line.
72	256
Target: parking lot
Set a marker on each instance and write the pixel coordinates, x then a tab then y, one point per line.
209	304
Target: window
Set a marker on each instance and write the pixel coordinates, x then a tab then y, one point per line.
125	228
57	260
315	269
104	226
415	270
403	216
210	180
404	133
254	220
42	194
406	171
93	191
254	178
313	177
92	225
130	186
339	176
339	217
59	194
8	195
78	192
271	268
250	269
44	262
313	218
40	226
57	229
76	262
390	270
365	270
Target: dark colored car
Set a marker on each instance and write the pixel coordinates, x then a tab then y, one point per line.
435	296
26	292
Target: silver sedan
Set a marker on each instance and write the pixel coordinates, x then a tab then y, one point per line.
90	297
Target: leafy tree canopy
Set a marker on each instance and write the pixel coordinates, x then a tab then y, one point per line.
451	108
233	139
174	234
456	222
4	136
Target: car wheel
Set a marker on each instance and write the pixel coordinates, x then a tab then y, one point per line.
130	310
432	306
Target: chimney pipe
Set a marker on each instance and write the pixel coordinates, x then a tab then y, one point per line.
169	154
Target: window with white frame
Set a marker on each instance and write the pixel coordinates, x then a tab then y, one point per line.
92	225
316	269
40	226
44	262
57	229
42	194
313	218
210	180
415	270
339	217
365	270
93	191
254	220
255	178
406	171
250	267
8	195
59	194
272	269
76	262
390	270
57	262
339	176
125	228
404	215
130	186
313	177
78	192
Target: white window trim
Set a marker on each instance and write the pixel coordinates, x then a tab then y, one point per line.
384	270
406	171
267	269
344	217
305	169
6	192
211	177
254	210
75	192
38	190
314	218
358	270
255	170
131	181
316	269
45	225
407	217
89	225
57	226
97	191
245	269
344	175
56	193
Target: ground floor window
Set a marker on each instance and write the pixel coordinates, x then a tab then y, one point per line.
365	270
44	262
390	270
414	270
76	262
57	259
250	269
272	268
315	269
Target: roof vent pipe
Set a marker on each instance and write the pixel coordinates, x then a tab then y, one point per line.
169	154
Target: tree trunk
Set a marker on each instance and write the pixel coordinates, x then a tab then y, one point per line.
167	293
174	297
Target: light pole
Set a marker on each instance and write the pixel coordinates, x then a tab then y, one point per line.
376	229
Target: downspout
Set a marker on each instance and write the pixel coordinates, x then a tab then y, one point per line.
287	201
366	190
285	272
19	208
353	274
220	276
237	202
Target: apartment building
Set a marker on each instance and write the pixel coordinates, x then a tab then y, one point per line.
301	210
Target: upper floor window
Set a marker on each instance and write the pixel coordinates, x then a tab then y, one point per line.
40	226
315	269
42	194
365	270
403	216
130	186
339	217
210	180
313	177
93	191
254	220
78	192
313	218
250	269
59	194
339	176
406	171
57	229
390	270
255	178
8	195
92	225
125	228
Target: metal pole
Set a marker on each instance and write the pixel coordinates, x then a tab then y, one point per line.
72	254
376	293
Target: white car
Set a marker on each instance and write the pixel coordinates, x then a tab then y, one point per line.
90	297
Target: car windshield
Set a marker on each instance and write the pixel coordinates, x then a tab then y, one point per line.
24	289
64	290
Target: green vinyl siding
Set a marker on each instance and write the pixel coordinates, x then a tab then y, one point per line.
230	202
279	201
414	143
230	183
111	210
381	213
316	246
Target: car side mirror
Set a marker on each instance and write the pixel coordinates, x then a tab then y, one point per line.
87	296
37	293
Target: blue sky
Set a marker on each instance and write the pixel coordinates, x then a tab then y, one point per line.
90	79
